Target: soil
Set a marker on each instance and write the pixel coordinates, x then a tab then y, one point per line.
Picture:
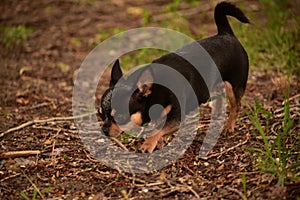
37	84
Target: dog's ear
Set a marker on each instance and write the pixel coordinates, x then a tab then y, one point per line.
116	73
145	82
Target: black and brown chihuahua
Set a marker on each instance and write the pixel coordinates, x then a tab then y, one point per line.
227	53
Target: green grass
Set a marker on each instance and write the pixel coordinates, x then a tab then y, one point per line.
143	56
277	156
35	193
140	57
15	35
273	38
244	182
104	34
173	6
273	42
147	55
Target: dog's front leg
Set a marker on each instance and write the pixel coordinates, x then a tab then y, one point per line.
151	142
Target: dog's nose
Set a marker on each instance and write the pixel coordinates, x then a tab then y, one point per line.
105	130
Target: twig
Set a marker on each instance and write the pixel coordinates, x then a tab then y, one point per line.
292	108
294	97
227	150
141	131
53	146
273	129
8	177
134	178
36	121
187	168
236	191
88	155
35	106
35	187
183	188
194	192
53	129
12	154
119	143
154	184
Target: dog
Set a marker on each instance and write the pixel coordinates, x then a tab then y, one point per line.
227	53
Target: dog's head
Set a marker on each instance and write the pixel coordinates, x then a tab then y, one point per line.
123	95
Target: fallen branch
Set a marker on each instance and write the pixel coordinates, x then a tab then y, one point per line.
36	121
13	154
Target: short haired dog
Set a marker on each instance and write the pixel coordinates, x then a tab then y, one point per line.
227	53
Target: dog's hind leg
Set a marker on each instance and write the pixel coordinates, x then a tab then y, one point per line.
235	103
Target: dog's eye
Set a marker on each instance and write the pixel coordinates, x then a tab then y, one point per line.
121	119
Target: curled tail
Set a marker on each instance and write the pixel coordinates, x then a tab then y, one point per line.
223	9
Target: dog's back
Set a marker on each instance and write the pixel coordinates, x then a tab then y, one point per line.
225	50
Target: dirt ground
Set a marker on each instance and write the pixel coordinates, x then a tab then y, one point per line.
36	82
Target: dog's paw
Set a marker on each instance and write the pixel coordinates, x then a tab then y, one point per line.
161	143
149	145
228	129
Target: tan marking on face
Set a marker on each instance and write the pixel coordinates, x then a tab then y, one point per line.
166	111
113	112
137	118
114	130
129	126
100	109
